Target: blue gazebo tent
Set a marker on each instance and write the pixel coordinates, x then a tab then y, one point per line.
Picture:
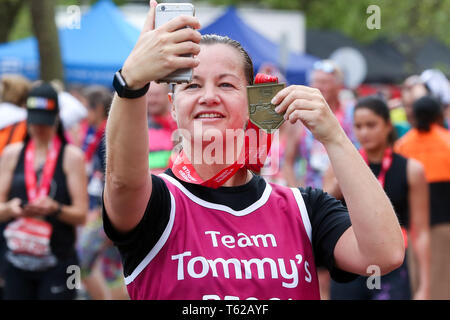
91	53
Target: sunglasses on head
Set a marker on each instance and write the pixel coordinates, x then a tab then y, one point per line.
324	66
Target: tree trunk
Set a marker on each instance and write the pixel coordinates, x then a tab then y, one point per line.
9	10
44	28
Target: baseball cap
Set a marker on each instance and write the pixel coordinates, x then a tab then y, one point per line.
42	105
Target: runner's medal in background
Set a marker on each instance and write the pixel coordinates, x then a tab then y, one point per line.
262	112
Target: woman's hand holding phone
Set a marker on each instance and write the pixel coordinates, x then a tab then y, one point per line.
157	52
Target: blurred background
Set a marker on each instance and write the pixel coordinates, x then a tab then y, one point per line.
398	51
382	41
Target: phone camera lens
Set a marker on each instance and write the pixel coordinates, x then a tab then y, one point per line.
163	8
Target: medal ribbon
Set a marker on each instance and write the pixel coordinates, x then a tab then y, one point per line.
249	158
92	146
33	191
385	164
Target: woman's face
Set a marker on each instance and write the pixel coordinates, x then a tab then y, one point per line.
371	130
96	114
217	96
41	132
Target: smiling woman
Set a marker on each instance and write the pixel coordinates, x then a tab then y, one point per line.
214	102
163	224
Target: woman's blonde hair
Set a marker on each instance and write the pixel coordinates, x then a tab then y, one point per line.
14	89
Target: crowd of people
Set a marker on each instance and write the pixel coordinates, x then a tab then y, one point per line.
67	165
405	142
75	188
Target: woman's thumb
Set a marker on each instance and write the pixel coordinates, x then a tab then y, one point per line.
149	23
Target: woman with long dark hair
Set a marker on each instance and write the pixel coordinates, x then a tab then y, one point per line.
429	143
404	182
42	199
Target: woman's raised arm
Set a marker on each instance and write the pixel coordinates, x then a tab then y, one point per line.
128	182
375	237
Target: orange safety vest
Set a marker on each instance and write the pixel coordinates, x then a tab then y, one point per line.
431	148
12	133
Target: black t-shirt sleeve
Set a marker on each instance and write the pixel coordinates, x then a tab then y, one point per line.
137	243
329	220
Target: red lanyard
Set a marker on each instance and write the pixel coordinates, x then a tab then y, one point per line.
184	170
92	146
385	163
33	191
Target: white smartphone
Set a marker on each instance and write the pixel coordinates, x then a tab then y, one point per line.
164	13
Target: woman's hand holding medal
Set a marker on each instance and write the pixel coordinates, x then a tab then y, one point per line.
309	106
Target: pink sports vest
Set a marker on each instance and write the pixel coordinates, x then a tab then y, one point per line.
209	251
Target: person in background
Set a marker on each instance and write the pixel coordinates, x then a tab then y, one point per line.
13	93
429	143
305	158
404	182
42	199
72	110
398	116
75	134
412	89
101	267
98	100
161	127
439	88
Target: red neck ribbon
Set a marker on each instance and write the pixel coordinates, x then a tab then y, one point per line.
33	190
93	145
385	163
254	154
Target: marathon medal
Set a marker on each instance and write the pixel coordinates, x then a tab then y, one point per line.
262	112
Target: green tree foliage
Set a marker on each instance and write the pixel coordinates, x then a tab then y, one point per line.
15	18
9	10
416	18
